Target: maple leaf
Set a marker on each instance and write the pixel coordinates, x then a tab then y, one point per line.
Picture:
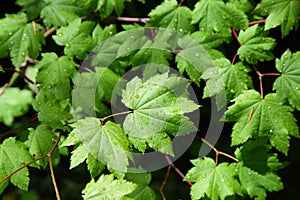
53	100
255	46
59	12
107	143
106	187
14	103
216	16
211	180
262	117
234	78
280	12
106	7
32	7
170	15
158	105
76	38
19	38
12	156
40	141
287	85
143	191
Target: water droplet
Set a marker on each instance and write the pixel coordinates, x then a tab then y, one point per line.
249	173
197	54
180	30
271	130
59	35
297	88
175	19
110	33
128	48
204	176
11	42
67	45
23	53
222	180
10	33
132	37
25	35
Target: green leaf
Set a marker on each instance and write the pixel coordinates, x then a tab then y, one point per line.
19	38
107	143
95	167
262	117
107	188
59	12
214	181
188	59
208	40
100	35
158	105
12	156
76	38
216	16
234	78
40	142
53	100
287	85
280	12
255	46
14	103
106	7
143	191
256	184
31	7
170	15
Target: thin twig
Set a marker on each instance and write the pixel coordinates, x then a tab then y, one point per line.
4	88
22	167
270	74
181	2
112	115
236	36
257	22
133	19
217	152
165	182
48	32
53	177
177	170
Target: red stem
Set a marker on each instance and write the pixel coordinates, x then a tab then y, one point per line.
257	22
4	88
177	170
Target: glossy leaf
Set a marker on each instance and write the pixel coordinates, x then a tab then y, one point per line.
255	46
287	85
211	180
19	39
12	156
106	187
280	12
158	105
266	117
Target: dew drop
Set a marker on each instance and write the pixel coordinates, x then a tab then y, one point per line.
59	35
67	45
297	88
25	35
23	53
10	33
271	130
204	176
110	33
175	19
180	30
222	180
197	54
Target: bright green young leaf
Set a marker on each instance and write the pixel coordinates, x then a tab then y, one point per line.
159	105
287	85
107	143
255	46
106	7
40	141
216	16
14	103
76	38
234	78
257	185
211	180
170	15
12	156
108	188
143	191
59	12
99	34
95	167
280	12
19	38
262	117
